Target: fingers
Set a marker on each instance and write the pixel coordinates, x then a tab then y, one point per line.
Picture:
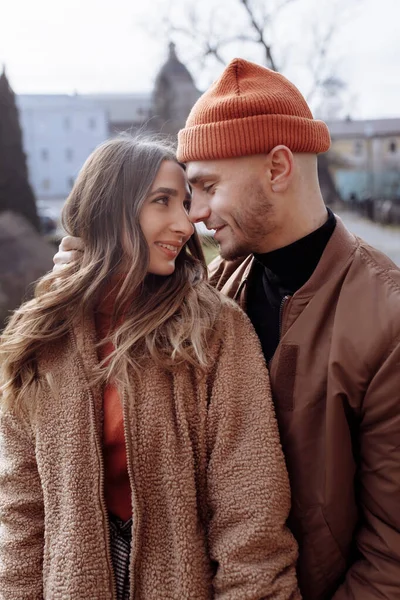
64	258
59	267
68	251
71	243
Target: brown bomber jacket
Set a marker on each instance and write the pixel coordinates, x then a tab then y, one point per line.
335	380
210	488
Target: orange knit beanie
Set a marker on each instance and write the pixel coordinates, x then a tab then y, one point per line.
250	110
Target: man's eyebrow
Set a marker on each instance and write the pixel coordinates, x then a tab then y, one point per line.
202	177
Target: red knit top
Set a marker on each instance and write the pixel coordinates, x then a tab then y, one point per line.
117	488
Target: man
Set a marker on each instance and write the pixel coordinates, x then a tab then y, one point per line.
326	307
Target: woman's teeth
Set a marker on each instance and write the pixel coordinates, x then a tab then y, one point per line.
172	248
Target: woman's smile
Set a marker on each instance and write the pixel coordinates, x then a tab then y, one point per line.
171	249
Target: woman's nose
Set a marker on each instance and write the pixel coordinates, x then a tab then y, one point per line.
183	225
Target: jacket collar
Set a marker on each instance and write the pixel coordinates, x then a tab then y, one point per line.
236	285
338	251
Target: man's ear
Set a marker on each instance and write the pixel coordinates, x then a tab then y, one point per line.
281	168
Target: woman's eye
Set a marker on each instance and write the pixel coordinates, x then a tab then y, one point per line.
208	188
163	200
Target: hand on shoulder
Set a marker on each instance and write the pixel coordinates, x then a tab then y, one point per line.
68	251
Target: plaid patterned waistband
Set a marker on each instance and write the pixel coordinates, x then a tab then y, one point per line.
120	545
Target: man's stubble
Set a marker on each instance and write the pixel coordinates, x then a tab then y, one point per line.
253	222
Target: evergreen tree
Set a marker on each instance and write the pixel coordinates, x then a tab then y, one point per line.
15	191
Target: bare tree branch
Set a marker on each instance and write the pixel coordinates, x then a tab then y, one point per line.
320	63
210	35
260	35
320	53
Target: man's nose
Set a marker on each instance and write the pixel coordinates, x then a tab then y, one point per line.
199	209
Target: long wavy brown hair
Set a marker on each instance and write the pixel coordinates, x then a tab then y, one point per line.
166	318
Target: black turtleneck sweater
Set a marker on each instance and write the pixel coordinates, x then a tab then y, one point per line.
281	273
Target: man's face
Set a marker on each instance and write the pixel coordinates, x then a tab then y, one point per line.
230	196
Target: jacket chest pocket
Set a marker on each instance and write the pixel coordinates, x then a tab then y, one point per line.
299	394
285	376
299	378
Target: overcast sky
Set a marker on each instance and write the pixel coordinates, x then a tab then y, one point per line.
86	46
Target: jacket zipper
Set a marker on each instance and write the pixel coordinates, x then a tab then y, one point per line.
100	459
135	518
282	306
239	290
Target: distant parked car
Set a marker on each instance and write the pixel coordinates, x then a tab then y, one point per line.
49	225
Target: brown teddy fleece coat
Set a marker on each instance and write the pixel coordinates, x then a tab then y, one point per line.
210	488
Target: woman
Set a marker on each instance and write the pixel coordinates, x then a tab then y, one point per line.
140	455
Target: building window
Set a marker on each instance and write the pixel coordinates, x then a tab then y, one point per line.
67	123
46	184
92	123
44	153
358	148
70	182
392	147
69	154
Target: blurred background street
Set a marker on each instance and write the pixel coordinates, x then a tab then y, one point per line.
385	238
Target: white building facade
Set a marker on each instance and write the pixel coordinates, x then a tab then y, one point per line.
367	157
59	132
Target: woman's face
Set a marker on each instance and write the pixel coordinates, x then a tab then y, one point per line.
164	218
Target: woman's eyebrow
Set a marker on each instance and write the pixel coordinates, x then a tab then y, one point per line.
170	192
164	190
